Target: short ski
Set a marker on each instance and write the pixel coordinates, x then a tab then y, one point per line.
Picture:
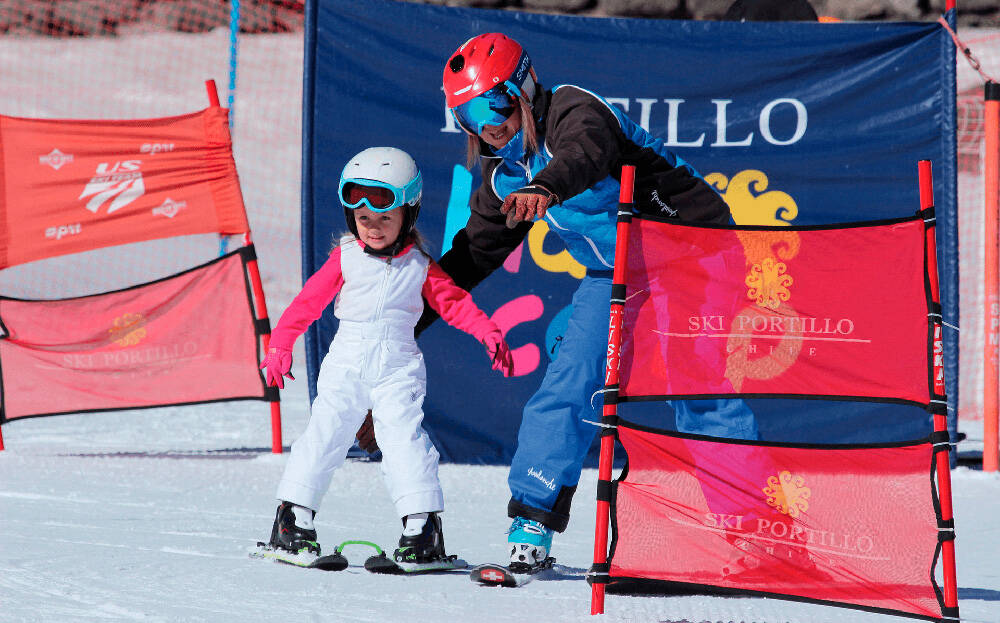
380	563
512	576
303	558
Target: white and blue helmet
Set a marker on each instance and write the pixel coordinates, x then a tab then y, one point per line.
382	179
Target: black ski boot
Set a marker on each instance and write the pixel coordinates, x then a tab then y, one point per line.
287	536
426	547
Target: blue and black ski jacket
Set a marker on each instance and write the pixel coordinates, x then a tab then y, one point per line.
583	143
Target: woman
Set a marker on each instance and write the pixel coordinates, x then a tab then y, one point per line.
557	154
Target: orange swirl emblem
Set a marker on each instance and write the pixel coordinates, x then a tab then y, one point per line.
768	283
128	329
769	287
787	493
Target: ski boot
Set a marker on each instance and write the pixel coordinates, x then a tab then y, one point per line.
293	530
427	546
529	542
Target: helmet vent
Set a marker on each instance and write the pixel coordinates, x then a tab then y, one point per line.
456	63
490	53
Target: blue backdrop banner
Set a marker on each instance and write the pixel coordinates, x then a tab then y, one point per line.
793	123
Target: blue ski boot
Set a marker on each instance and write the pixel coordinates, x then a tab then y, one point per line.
529	543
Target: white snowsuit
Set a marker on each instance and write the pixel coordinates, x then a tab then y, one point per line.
373	363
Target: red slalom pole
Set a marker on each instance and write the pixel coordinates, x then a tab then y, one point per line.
610	413
260	306
941	459
213	93
260	303
991	170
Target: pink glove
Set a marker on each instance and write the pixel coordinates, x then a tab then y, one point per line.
499	352
277	364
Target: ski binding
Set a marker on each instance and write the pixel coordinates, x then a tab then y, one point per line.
380	563
512	576
303	558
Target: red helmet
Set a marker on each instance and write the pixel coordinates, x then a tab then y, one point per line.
482	63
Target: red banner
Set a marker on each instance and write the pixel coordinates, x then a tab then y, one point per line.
68	186
185	339
853	526
815	312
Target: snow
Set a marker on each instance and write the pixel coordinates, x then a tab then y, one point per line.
149	515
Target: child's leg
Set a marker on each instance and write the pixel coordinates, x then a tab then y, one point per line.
340	406
409	459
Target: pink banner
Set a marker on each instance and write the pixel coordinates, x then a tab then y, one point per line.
185	339
854	526
824	312
68	186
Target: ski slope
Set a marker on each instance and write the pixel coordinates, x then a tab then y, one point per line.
150	515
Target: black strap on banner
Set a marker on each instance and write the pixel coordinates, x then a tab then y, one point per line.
624	212
600	573
941	441
248	253
271	393
927	214
950	613
618	294
938	405
611	394
946	529
609	425
603	490
262	326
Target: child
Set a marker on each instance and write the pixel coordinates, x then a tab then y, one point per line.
381	273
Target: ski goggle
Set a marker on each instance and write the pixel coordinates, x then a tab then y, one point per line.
378	196
490	108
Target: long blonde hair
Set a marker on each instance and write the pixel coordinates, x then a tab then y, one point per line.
472	145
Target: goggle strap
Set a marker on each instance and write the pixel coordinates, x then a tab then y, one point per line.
512	89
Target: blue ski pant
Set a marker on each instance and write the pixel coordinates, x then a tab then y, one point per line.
554	436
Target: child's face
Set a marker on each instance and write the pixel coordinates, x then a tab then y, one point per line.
378	230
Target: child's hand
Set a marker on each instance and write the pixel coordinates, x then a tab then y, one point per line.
499	352
277	364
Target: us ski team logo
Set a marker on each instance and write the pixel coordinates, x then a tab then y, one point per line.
121	183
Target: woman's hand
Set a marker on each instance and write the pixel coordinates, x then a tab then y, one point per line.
527	204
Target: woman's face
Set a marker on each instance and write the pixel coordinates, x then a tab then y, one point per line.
496	136
378	230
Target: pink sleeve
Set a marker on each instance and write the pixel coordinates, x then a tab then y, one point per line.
319	291
455	304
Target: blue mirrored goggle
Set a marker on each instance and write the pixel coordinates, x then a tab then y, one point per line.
491	108
378	196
